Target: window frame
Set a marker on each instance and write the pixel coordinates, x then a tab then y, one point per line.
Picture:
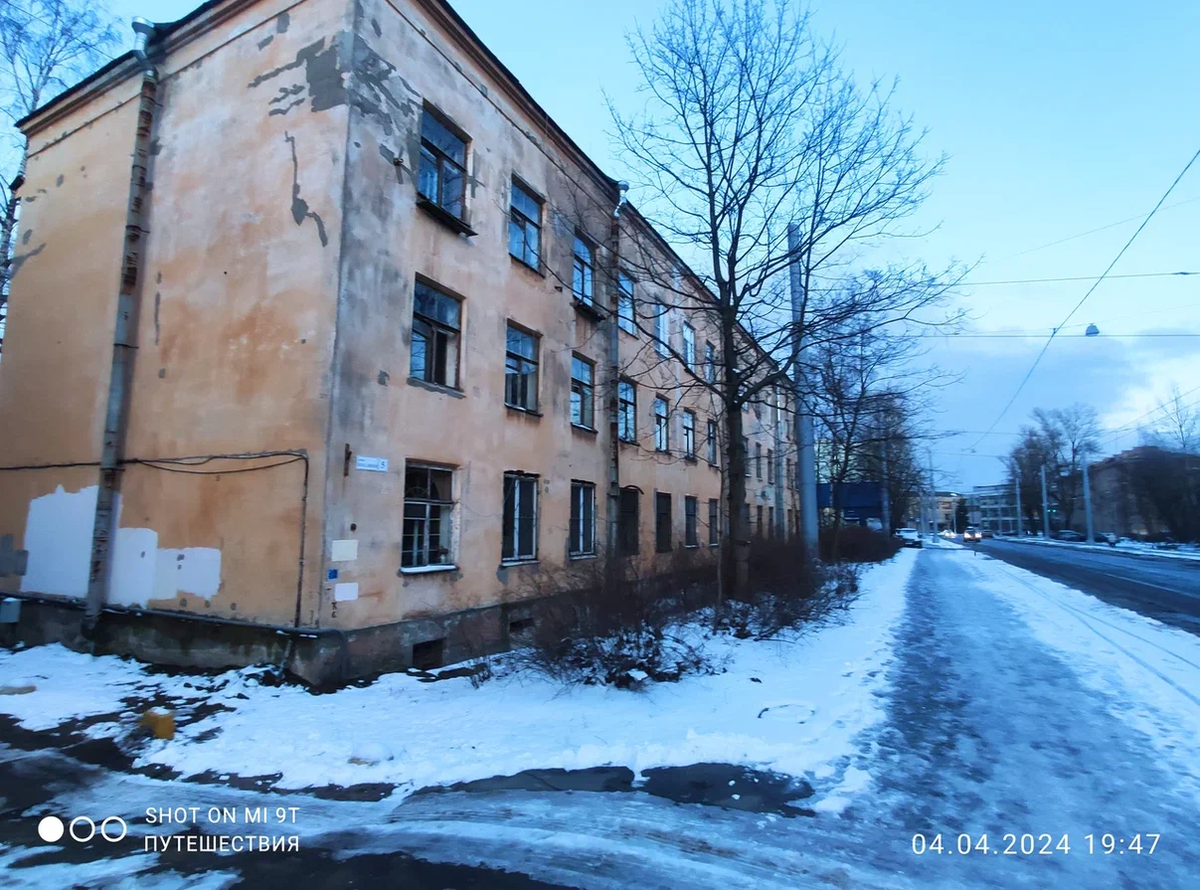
519	185
662	522
434	328
712	441
746	451
509	355
445	519
662	425
626	321
689	346
691	509
662	330
576	533
710	362
770	466
714	522
518	478
587	388
438	155
689	434
758	454
626	417
583	270
629	538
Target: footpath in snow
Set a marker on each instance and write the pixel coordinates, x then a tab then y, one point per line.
791	706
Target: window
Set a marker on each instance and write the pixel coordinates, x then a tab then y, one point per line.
435	336
710	363
583	519
625	316
442	178
627	522
627	411
790	482
758	520
714	522
581	391
521	369
746	454
428	511
770	465
662	335
519	537
525	226
689	346
758	460
662	522
771	521
712	442
689	434
662	429
690	505
581	280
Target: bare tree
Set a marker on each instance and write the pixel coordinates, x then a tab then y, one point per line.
1068	437
750	126
1177	427
43	45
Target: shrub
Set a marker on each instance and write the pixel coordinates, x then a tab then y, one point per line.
855	543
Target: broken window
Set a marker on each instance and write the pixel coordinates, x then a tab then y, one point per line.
662	426
625	316
442	178
428	510
435	332
714	522
521	369
525	226
662	522
689	346
690	505
689	434
519	534
583	519
627	411
581	279
627	522
582	372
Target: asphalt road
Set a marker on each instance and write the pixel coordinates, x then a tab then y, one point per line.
1164	589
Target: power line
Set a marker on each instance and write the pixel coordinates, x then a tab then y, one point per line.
1129	427
1075	278
1112	225
1031	336
1090	290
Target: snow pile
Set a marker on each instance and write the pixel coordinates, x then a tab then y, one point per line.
791	706
1149	671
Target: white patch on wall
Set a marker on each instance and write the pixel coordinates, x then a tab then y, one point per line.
345	591
343	550
58	536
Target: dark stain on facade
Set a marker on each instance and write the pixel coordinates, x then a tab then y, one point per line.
321	71
155	148
266	41
26	235
157	304
383	378
285	109
19	259
282	21
375	26
58	182
300	211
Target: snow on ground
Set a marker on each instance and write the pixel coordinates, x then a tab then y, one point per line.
1184	551
818	689
1149	671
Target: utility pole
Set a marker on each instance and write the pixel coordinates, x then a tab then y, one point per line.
1017	488
1087	501
885	502
1045	507
806	458
932	496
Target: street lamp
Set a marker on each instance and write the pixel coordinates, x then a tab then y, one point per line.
1092	331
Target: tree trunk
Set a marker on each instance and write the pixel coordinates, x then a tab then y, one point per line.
739	532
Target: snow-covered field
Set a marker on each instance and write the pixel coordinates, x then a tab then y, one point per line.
791	706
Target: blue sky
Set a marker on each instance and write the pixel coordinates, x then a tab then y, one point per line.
1058	118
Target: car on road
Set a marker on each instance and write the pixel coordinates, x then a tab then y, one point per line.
972	534
1108	538
909	537
1069	535
987	533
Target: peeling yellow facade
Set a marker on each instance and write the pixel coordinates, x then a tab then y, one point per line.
272	378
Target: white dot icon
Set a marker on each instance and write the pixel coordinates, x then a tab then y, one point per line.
51	829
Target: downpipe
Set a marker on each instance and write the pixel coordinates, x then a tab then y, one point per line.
116	415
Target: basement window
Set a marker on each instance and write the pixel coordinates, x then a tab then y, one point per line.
429	655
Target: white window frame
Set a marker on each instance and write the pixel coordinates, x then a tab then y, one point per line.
445	518
710	363
662	330
689	434
712	441
585	544
689	346
627	422
519	477
626	312
662	425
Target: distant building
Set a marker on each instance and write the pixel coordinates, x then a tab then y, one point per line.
945	503
993	508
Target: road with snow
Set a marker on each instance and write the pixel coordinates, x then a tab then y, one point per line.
1161	588
1028	735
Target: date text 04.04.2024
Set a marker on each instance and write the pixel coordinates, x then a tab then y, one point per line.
1141	844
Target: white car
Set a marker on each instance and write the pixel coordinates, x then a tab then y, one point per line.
909	537
972	534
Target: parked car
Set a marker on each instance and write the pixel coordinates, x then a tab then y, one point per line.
909	537
987	533
1069	535
971	534
1108	538
946	533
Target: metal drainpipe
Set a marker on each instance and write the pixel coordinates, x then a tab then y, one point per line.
116	415
614	368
